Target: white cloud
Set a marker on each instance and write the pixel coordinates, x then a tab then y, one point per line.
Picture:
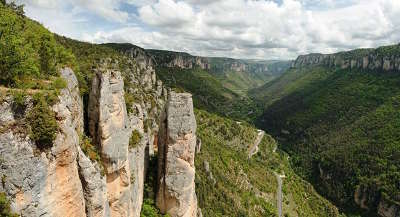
246	28
108	9
167	13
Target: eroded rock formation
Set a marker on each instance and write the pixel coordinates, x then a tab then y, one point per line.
44	183
367	59
66	179
109	127
176	194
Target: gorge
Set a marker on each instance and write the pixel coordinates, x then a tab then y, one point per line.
117	130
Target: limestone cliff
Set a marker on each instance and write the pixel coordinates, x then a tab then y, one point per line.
176	194
111	127
367	59
43	183
178	59
217	65
68	179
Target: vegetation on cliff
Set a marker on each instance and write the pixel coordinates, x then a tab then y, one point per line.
5	210
149	208
228	183
43	123
341	128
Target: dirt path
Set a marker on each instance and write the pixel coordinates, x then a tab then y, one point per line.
254	148
29	91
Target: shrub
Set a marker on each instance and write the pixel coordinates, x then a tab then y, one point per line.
5	210
135	139
89	149
19	98
147	124
59	83
129	100
43	123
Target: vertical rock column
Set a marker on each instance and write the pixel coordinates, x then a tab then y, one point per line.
177	140
110	128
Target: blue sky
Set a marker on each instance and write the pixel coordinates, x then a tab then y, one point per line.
262	29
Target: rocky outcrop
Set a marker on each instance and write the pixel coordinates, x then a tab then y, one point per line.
209	173
141	57
137	163
188	62
368	198
176	194
110	127
383	58
44	183
94	187
108	119
178	59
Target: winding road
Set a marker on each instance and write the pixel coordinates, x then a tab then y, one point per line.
279	193
254	148
252	151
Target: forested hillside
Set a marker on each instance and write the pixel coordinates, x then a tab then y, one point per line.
341	125
229	183
29	52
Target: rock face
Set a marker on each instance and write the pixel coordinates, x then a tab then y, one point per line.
111	127
108	119
71	179
366	59
179	60
45	184
94	187
176	194
217	64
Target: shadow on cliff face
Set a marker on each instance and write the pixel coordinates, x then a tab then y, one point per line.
150	189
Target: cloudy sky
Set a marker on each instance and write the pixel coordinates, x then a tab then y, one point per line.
262	29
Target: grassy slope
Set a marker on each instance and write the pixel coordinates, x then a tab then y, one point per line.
346	122
239	180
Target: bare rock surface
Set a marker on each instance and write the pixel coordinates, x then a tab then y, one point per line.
109	126
176	194
94	187
45	183
108	119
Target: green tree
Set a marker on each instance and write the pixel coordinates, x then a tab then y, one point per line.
47	54
43	123
16	54
19	9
